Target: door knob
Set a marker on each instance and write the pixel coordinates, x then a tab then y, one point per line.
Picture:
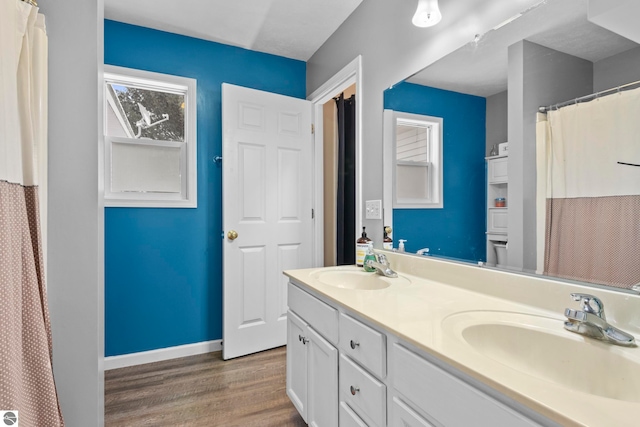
232	235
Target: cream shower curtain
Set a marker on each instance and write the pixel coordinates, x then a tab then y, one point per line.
589	192
26	376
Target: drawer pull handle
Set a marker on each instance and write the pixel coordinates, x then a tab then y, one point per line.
354	390
354	344
303	340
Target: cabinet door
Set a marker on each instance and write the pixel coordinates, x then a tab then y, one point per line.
498	172
297	363
322	370
498	220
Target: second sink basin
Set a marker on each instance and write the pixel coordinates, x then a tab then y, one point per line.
540	347
357	279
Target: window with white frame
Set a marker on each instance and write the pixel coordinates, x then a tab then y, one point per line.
417	161
150	146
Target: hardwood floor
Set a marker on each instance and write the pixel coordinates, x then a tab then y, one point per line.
203	391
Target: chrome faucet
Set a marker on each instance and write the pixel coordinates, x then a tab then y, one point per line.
382	266
591	322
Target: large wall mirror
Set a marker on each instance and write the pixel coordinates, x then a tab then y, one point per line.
501	208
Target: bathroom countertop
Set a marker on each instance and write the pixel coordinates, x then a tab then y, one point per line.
427	312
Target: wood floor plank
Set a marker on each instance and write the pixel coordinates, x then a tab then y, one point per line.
202	391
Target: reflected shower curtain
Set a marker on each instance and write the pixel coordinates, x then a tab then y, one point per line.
346	192
589	191
26	376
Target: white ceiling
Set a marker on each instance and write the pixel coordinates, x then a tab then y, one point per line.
290	28
481	68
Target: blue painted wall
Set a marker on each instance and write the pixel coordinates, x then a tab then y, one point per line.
163	267
457	230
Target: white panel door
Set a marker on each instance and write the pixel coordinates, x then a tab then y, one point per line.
267	200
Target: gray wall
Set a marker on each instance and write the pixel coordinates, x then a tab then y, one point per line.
497	113
75	263
620	17
538	76
393	49
617	70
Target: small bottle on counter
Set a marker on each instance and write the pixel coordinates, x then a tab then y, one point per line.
401	245
361	247
369	256
387	243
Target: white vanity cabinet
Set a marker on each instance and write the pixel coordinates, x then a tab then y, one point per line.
376	379
312	361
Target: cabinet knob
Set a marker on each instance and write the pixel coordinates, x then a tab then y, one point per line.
302	339
354	344
354	390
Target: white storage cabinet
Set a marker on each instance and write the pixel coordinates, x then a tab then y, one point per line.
497	217
344	371
312	360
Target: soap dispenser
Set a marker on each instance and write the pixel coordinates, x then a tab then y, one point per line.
369	256
361	247
401	245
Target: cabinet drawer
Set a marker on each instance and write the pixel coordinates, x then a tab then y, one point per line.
441	395
402	415
363	344
322	317
366	395
348	418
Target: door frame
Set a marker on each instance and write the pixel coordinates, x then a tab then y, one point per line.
350	74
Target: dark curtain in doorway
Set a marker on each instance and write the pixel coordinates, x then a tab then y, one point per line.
346	203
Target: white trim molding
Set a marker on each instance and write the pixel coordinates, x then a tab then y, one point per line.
133	359
349	75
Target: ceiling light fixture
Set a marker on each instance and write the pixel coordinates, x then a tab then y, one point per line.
428	14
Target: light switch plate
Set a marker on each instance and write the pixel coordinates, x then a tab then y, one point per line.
374	209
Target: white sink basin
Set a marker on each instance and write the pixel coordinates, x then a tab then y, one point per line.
540	347
357	279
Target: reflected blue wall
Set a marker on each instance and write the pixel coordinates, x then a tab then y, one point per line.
163	267
457	230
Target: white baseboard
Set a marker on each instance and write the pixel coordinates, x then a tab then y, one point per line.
115	362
